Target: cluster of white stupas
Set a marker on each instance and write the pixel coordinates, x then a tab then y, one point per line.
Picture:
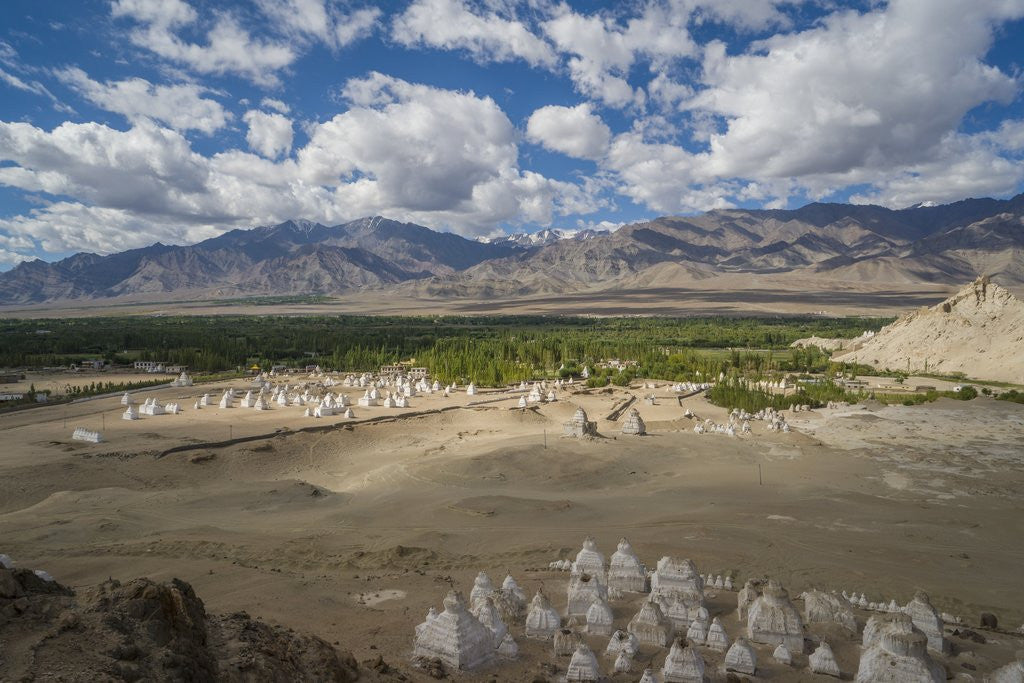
769	385
540	392
690	387
474	634
739	422
314	395
184	380
897	642
151	407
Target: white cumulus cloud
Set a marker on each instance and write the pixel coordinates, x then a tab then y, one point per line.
181	106
320	20
437	157
484	33
268	134
229	48
575	131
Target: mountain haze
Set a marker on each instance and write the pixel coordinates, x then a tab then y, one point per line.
827	243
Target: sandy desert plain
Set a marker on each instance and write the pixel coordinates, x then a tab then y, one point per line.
353	529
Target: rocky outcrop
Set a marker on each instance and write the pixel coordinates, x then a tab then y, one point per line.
978	331
144	630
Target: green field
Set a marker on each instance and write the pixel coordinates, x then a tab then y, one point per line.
486	349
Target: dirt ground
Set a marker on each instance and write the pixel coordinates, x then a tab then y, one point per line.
352	532
57	382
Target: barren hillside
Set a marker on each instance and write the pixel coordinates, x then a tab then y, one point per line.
978	331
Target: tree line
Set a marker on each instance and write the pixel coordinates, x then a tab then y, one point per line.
486	349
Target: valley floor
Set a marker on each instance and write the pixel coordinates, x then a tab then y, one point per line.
354	531
728	294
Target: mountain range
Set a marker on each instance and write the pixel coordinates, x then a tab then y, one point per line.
829	243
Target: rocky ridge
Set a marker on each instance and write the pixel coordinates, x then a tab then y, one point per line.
979	331
144	630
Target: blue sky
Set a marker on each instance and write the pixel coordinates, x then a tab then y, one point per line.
126	122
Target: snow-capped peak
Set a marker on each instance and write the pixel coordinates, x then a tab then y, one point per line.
544	237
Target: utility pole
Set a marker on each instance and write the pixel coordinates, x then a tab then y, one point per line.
545	439
760	482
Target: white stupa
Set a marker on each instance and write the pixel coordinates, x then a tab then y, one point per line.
583	666
583	590
823	661
773	619
634	424
622	641
456	637
600	618
683	664
488	615
717	638
650	626
542	620
590	561
894	651
625	572
83	434
482	589
741	658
